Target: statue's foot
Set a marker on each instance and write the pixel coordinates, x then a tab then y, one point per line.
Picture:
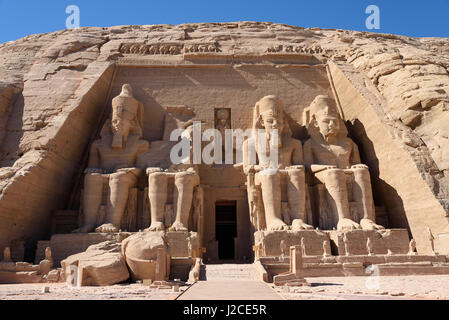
156	226
368	224
107	228
347	224
299	224
177	226
84	229
277	225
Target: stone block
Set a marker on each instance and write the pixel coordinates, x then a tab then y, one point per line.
64	245
178	244
141	253
11	277
270	241
396	240
100	265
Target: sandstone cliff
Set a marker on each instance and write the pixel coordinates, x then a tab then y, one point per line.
392	90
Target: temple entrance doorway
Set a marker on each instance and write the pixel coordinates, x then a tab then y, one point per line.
226	228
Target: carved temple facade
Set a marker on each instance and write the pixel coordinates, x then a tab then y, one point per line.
342	187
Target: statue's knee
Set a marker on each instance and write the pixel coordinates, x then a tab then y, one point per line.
332	176
361	171
93	178
335	172
123	178
183	178
297	172
157	177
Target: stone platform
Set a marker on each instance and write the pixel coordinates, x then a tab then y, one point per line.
395	240
19	272
357	265
269	241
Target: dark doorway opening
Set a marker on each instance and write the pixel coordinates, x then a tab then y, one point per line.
226	228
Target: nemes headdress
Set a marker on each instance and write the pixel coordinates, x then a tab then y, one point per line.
324	105
269	103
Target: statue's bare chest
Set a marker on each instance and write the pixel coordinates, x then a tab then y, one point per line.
333	154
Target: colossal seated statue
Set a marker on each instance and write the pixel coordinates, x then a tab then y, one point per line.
112	161
280	184
332	157
186	179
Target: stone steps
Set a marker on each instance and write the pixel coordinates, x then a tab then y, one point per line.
229	271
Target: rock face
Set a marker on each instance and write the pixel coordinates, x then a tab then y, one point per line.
100	265
392	91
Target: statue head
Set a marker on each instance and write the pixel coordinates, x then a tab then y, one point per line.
48	253
326	117
222	116
127	90
118	122
269	115
7	254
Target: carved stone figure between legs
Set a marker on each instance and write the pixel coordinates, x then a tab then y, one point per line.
112	164
269	115
331	156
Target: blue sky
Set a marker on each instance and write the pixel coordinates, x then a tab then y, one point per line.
19	18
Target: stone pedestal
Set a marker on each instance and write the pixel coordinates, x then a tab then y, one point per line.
395	240
268	242
178	244
295	276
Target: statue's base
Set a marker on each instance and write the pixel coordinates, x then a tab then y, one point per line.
357	265
178	242
395	240
269	241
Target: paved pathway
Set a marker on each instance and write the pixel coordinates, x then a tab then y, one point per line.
230	290
230	282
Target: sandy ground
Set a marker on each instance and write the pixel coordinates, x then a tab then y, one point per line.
334	288
367	288
60	291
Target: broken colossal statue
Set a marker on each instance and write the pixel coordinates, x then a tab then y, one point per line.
266	180
334	160
111	165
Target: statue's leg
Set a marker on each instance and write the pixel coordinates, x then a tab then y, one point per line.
157	193
126	128
119	185
271	197
92	198
296	192
335	183
364	198
185	182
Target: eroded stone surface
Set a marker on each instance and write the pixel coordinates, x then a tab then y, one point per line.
55	89
100	265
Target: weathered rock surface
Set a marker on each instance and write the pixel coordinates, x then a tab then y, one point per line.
100	265
54	87
140	252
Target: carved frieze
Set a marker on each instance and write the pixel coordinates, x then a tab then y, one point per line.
295	49
168	48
